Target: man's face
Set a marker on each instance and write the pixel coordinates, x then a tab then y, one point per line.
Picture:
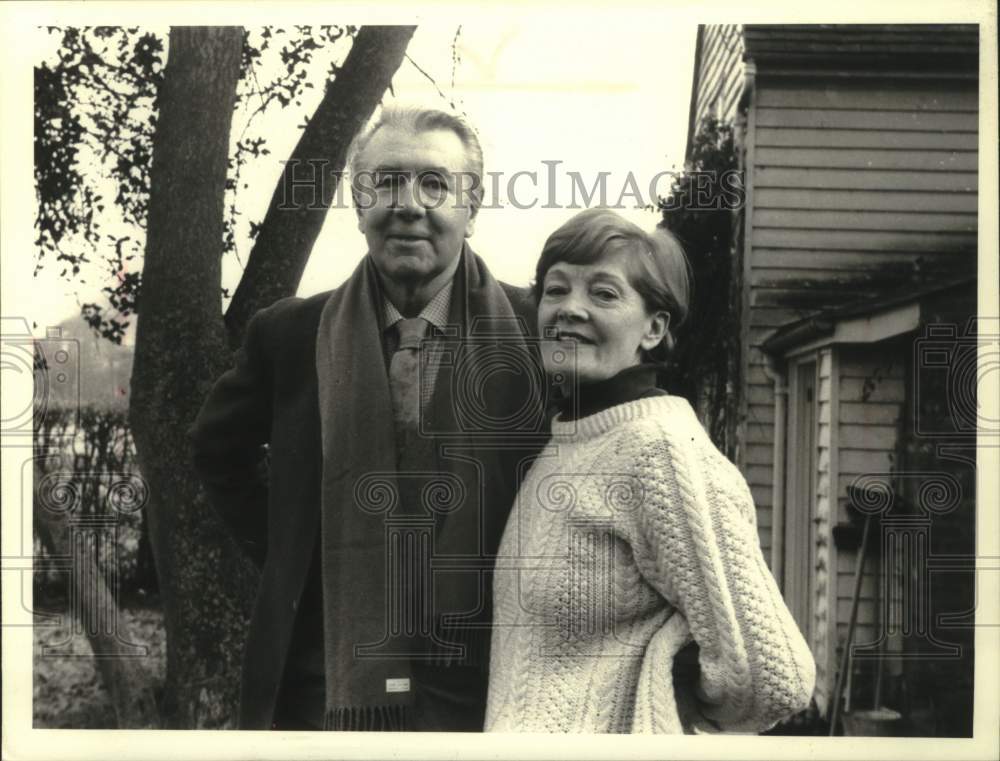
412	210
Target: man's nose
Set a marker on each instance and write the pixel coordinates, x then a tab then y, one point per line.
408	200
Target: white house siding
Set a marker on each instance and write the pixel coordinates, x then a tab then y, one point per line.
872	397
860	154
855	185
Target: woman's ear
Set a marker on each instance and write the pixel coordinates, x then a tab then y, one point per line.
659	324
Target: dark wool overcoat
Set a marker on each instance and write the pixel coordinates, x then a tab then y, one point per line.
257	448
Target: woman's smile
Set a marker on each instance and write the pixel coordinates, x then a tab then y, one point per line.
594	311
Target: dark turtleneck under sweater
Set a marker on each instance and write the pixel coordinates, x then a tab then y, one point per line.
636	382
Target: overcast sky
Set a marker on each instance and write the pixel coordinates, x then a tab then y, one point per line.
610	96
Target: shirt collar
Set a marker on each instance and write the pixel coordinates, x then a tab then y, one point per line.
436	311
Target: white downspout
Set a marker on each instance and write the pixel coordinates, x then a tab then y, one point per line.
777	377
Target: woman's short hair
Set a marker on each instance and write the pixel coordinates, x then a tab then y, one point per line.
416	118
657	266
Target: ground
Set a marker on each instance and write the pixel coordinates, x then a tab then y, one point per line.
69	694
68	691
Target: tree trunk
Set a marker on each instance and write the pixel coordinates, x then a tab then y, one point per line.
183	343
180	349
294	217
95	601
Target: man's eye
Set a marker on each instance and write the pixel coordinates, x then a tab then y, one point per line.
433	182
554	290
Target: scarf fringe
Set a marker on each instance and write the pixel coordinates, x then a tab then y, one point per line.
366	719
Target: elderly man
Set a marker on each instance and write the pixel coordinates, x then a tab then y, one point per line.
365	451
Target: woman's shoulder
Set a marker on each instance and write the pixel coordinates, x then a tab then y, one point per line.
670	431
667	418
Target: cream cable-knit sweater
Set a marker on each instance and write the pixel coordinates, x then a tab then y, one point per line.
630	535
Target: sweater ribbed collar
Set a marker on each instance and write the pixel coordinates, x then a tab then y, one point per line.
592	426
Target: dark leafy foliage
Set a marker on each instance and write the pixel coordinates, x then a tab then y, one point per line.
703	209
92	448
95	107
65	205
295	55
95	115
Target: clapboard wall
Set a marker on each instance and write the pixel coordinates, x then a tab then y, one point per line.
855	186
859	150
871	391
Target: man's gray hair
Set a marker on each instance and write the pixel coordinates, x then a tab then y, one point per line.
424	119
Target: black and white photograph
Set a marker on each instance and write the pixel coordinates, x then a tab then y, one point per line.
500	381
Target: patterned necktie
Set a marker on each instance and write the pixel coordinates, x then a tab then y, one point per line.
404	385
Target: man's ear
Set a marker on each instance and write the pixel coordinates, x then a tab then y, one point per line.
357	209
470	226
656	330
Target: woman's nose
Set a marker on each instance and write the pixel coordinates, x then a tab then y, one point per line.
572	309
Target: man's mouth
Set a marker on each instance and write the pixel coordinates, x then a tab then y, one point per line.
406	237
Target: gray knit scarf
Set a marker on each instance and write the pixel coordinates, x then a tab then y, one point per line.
452	502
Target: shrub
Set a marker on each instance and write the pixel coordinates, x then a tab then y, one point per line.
86	453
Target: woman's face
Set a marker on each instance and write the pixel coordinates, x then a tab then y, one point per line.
593	311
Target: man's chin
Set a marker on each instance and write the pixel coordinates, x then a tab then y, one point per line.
398	264
408	270
408	248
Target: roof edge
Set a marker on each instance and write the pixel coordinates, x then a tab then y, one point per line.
823	324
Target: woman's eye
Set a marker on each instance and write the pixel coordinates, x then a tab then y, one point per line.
554	290
606	295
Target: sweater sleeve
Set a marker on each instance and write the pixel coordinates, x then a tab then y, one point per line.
697	545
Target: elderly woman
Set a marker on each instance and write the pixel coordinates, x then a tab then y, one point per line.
632	536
